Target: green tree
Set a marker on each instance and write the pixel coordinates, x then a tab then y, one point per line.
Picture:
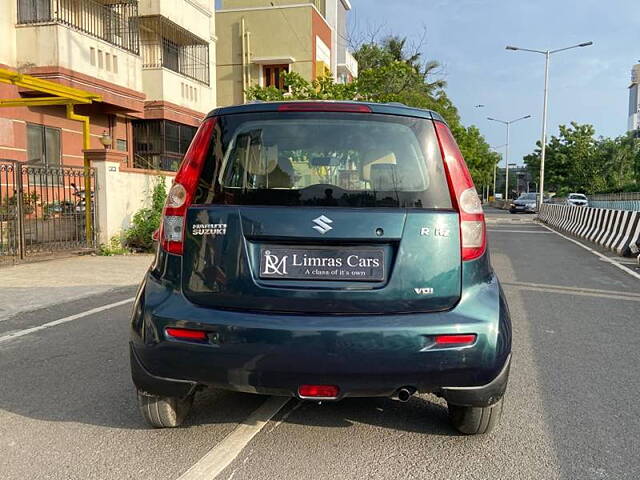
577	161
388	73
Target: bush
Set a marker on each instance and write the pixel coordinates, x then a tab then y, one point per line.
147	220
114	247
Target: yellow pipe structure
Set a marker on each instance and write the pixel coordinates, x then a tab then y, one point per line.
86	144
34	102
46	86
63	95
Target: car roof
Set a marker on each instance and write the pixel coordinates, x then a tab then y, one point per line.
393	108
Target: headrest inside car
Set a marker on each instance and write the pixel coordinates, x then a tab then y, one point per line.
384	177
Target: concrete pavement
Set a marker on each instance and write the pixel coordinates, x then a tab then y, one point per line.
29	286
67	407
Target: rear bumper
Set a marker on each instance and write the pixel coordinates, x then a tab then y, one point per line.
362	355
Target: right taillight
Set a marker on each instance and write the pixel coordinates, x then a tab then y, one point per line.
182	191
473	236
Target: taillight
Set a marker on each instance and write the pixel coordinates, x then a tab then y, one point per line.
182	191
473	236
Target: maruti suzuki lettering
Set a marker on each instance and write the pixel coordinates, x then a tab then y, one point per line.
322	250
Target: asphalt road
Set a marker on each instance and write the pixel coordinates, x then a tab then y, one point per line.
67	407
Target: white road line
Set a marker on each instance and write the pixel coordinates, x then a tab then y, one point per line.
514	231
60	321
598	254
572	289
221	456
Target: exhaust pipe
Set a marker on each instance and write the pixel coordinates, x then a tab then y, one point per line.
404	394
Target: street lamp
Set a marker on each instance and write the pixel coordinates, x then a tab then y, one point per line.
506	157
547	54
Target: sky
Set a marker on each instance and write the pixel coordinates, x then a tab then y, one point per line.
468	37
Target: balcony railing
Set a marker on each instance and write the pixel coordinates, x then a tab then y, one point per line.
115	22
165	44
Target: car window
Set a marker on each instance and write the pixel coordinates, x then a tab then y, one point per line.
528	196
325	159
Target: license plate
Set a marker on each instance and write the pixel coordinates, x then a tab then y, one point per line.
322	263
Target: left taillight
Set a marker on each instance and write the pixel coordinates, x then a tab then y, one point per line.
473	235
184	186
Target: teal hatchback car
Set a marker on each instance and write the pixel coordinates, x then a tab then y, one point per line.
322	250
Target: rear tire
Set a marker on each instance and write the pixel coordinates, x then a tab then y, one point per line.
164	412
475	420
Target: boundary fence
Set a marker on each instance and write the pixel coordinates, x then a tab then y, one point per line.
42	209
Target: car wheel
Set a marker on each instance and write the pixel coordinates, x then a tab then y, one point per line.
475	420
164	412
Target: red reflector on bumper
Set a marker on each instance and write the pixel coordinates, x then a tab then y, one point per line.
464	339
186	334
318	391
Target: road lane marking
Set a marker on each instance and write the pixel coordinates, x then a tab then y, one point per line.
515	231
598	254
583	292
225	452
60	321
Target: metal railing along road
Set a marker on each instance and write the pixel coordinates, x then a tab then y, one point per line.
115	23
616	201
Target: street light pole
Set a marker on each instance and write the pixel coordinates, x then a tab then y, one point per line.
495	169
547	54
506	159
506	162
543	140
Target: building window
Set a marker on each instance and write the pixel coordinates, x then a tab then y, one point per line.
43	145
170	55
121	145
33	11
160	144
272	75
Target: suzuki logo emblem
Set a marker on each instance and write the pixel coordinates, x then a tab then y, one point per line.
322	224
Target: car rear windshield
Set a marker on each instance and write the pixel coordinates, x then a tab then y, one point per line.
324	159
577	196
528	196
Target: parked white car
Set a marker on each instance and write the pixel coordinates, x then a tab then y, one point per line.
577	199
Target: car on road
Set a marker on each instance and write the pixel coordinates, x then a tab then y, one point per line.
525	203
577	199
322	251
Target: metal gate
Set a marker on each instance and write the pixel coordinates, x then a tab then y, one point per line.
42	209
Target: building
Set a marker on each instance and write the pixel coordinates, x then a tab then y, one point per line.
151	61
634	100
259	39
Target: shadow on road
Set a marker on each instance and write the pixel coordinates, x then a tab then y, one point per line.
419	415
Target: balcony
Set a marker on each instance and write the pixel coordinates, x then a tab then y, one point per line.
167	45
348	70
115	22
